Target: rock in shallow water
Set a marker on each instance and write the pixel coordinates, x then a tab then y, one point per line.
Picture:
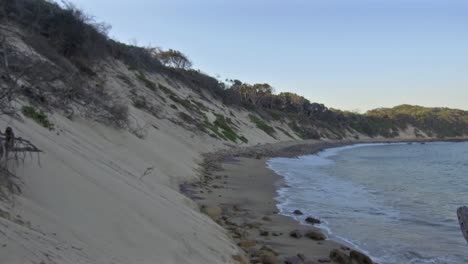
359	258
298	212
355	257
462	214
313	221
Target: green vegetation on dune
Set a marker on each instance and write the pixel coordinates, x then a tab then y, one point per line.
73	42
223	128
39	116
148	83
439	122
263	126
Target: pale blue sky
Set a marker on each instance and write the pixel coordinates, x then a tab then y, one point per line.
348	54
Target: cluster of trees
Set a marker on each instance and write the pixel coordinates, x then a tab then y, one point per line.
261	96
66	28
172	58
63	31
440	122
78	37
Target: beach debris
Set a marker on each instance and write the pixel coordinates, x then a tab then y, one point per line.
462	214
295	234
315	235
298	212
264	233
313	221
359	258
266	218
214	212
247	243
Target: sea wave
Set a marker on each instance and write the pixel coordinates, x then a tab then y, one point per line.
341	201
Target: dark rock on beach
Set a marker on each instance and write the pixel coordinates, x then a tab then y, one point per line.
247	243
298	259
267	257
339	256
359	258
295	234
298	212
315	235
313	221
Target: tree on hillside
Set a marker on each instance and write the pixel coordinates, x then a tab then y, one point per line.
252	94
172	58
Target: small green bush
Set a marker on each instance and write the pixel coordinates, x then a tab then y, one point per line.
166	90
125	79
263	126
148	83
244	139
275	115
223	128
285	132
140	103
39	116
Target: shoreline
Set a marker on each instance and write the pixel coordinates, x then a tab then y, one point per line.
239	192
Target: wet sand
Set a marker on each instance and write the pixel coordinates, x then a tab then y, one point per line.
245	190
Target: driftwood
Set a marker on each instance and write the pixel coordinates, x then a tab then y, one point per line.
13	149
20	144
462	214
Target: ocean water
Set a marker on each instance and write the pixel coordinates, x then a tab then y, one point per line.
396	202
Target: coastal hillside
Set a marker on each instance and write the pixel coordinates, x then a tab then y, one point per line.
120	127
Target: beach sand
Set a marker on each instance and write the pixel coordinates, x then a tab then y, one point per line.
245	190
